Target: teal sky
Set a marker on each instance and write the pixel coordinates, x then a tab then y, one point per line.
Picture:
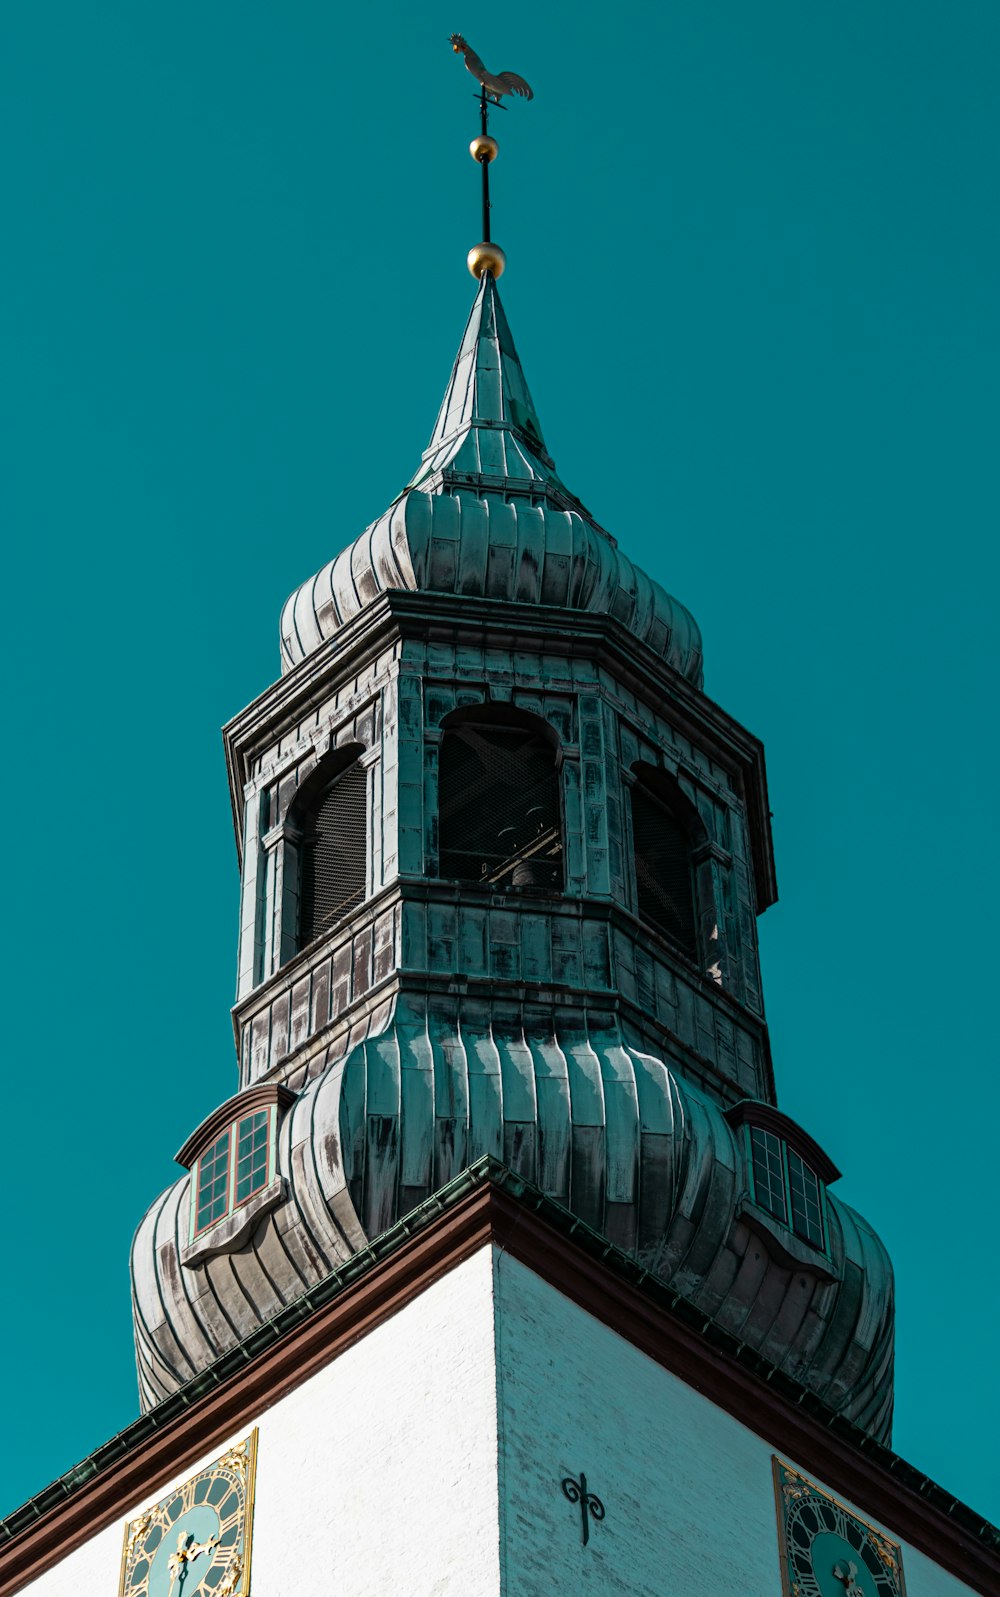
753	261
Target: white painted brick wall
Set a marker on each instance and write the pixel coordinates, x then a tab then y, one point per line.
687	1489
378	1478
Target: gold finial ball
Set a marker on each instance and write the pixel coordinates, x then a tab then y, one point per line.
484	148
486	258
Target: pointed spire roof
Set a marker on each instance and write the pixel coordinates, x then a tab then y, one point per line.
487	436
486	515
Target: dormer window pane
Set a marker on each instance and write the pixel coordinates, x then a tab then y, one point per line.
251	1155
768	1172
807	1210
213	1183
233	1169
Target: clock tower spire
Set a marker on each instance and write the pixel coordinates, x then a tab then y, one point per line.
502	860
500	1258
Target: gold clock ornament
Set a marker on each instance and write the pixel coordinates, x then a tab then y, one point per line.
195	1542
826	1549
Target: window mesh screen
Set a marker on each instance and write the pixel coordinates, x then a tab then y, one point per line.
498	809
663	870
333	855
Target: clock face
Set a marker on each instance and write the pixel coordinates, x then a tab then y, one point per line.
827	1551
195	1542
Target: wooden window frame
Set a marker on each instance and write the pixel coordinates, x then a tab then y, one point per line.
751	1112
229	1230
233	1204
764	1198
788	1219
199	1226
789	1154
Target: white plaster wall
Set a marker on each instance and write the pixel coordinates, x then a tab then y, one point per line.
687	1489
94	1567
378	1476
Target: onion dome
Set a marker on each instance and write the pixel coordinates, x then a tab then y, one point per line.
486	516
594	1121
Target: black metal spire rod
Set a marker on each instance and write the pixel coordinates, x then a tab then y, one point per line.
484	161
487	256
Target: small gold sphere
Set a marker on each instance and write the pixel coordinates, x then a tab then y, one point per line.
484	148
486	258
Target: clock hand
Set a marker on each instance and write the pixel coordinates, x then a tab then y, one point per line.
176	1562
846	1573
187	1552
201	1547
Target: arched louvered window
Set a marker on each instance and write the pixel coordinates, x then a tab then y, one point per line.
499	819
662	837
331	816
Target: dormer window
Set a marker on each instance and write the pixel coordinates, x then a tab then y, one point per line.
786	1186
233	1159
788	1171
235	1167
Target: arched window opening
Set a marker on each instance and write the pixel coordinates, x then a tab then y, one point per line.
332	818
499	820
664	879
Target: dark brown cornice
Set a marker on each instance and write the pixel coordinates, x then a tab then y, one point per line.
487	1205
401	613
405	979
638	667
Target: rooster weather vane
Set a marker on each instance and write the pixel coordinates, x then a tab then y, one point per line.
487	256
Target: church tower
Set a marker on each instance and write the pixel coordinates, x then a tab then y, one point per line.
502	860
500	1270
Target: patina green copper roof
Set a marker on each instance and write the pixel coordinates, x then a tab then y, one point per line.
486	515
487	434
615	1133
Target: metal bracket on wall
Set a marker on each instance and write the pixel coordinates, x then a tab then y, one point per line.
590	1506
